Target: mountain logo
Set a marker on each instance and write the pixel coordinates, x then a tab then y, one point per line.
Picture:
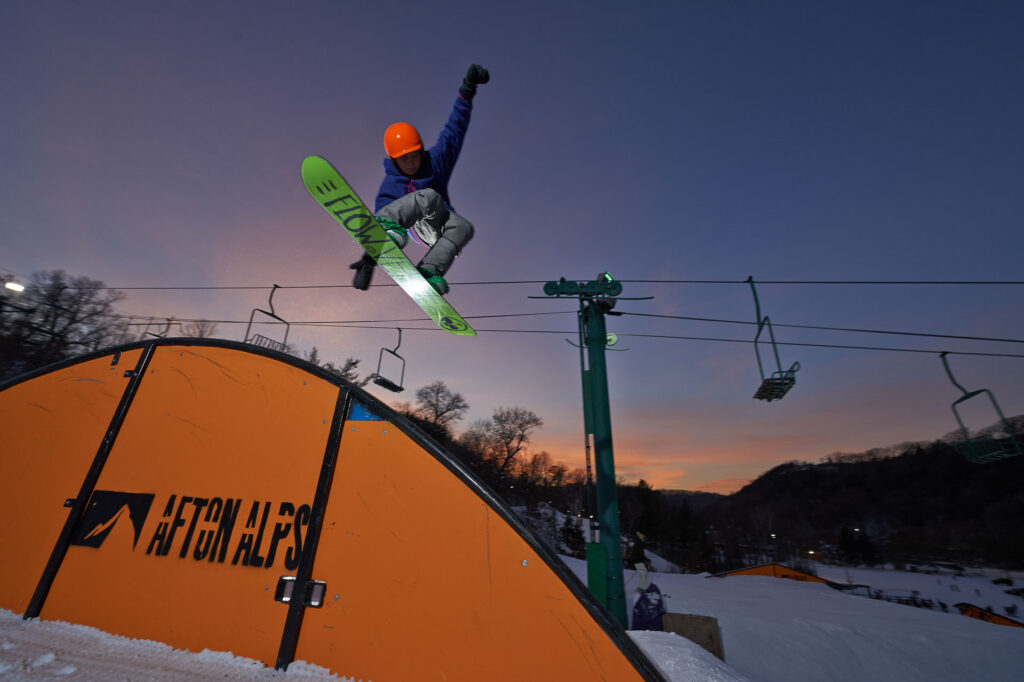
105	509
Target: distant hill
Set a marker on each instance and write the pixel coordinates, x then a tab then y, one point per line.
907	503
696	500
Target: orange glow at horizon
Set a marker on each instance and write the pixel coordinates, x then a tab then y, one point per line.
720	472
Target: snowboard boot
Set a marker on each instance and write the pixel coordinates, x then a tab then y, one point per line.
364	272
399	235
435	280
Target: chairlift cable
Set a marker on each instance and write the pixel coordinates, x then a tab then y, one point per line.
318	323
837	329
702	338
329	323
826	345
625	281
385	324
835	282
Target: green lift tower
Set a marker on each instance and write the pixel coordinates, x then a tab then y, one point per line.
604	559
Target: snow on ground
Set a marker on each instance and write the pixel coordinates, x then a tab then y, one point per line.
973	586
683	661
772	630
44	650
787	631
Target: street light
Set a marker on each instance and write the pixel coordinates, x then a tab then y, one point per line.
15	287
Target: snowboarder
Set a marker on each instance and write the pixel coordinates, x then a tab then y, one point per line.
414	193
649	610
638	557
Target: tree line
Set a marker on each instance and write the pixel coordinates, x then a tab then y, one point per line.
910	504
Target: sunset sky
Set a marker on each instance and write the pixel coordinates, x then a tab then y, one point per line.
157	145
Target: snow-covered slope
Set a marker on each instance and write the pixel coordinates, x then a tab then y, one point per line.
940	587
772	629
787	631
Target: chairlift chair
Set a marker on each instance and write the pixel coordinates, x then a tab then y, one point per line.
264	341
778	383
982	449
382	380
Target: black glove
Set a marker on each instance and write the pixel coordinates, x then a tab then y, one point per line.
477	75
364	272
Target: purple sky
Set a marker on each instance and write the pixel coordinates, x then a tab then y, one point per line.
151	144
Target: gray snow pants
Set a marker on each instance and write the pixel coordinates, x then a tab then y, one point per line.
444	231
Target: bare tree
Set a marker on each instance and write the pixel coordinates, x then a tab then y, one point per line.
475	438
558	474
403	407
503	436
199	329
347	370
535	469
437	404
56	317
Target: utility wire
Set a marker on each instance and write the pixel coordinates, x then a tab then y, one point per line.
285	286
148	320
373	324
829	345
844	282
835	329
541	281
422	319
347	325
342	323
779	343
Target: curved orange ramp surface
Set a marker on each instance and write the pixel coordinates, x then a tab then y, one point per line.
426	581
162	490
50	429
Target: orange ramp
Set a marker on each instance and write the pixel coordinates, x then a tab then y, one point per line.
216	495
984	614
775	571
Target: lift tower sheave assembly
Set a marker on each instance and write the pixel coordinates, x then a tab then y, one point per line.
597	298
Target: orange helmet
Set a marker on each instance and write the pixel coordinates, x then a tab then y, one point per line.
400	139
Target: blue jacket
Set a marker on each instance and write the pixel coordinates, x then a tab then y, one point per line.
438	161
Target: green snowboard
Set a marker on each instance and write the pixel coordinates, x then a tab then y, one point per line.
334	194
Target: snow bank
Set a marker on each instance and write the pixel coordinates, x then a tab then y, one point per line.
683	661
36	649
